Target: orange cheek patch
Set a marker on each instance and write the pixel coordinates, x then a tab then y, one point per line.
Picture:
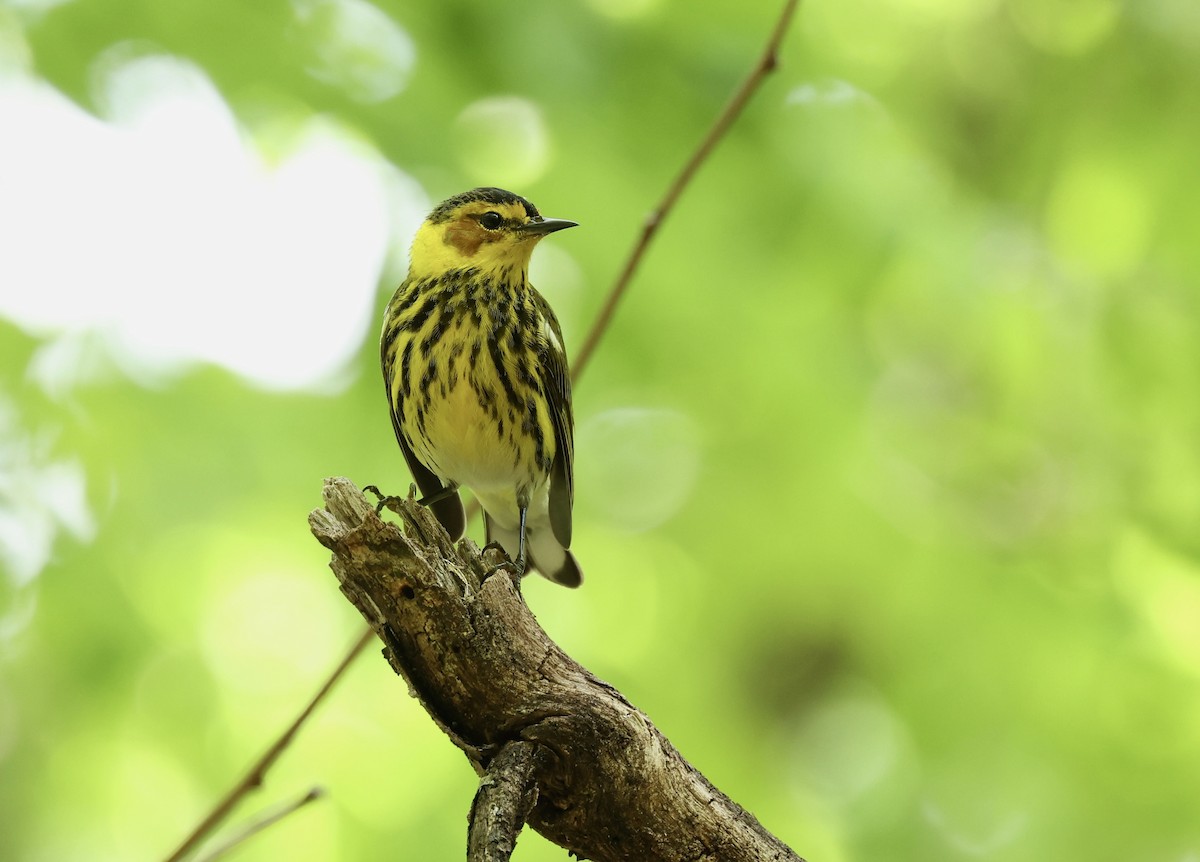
466	236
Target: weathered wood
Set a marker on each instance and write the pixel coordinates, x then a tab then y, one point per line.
507	793
609	785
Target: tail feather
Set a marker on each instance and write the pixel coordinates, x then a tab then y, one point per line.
568	574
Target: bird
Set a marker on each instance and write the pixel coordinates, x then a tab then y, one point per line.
477	380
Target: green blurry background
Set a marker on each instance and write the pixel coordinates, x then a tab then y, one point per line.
888	470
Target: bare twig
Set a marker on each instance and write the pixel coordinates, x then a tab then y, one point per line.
254	777
262	823
765	65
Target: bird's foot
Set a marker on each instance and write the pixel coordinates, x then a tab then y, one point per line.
515	568
389	501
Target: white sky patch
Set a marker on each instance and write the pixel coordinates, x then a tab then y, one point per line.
164	229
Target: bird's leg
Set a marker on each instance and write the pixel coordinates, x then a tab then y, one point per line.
446	493
517	566
520	560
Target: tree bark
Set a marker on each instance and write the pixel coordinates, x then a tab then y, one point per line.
507	793
555	746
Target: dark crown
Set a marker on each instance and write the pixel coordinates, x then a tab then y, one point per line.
487	194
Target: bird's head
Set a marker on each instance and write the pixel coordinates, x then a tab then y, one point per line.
486	228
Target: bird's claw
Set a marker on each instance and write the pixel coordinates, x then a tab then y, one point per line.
516	568
386	501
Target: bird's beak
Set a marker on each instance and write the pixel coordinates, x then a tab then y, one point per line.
545	226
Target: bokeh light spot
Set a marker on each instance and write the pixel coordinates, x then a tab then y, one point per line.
639	465
981	819
15	54
356	47
258	603
849	745
40	498
1164	587
624	10
830	91
874	39
950	11
1098	216
503	140
1066	27
559	278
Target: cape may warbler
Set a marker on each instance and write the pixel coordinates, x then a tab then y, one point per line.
477	379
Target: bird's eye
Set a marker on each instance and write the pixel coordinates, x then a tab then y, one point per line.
491	220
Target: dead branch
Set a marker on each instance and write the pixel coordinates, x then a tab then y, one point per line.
546	736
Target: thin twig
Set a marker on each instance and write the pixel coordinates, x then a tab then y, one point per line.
255	776
765	65
256	826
